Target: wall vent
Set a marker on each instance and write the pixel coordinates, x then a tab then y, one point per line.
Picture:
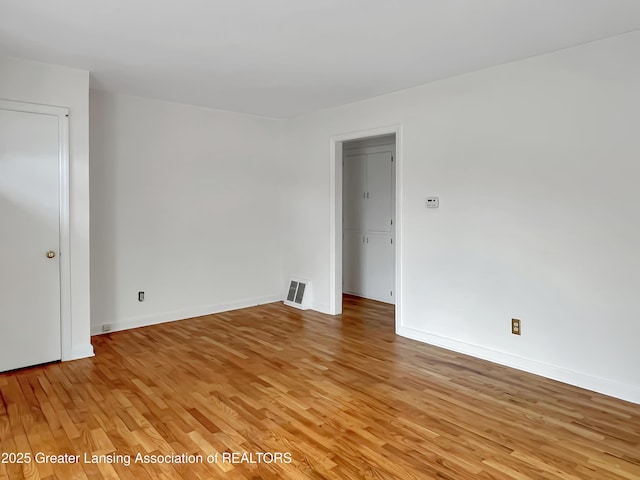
298	293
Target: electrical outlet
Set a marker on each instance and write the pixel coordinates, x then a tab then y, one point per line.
106	327
141	296
433	202
516	326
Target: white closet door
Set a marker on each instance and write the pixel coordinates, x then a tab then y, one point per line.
380	275
353	191
353	262
29	216
379	188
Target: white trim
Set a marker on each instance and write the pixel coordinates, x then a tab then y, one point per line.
605	386
335	227
65	243
33	108
146	320
81	351
322	308
67	352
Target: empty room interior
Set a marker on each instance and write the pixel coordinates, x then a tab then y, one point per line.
320	240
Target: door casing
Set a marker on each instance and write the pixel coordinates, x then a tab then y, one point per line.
335	227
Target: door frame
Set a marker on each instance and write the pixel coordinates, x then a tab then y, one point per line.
335	228
62	113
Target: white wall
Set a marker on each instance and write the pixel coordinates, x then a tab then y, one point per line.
33	82
536	166
185	207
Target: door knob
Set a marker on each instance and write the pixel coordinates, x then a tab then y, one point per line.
51	254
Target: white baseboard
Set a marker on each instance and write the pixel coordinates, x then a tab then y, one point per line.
605	386
321	307
144	321
80	351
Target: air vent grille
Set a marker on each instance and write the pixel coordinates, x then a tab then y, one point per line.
298	294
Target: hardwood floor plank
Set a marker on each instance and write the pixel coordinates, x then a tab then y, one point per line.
343	396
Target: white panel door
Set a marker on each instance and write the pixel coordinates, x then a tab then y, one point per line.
380	265
353	262
29	216
379	192
353	191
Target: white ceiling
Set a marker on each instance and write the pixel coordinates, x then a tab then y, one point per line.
282	58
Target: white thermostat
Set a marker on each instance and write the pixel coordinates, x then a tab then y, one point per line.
433	202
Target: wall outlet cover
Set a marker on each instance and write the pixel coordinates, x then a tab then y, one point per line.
432	202
516	326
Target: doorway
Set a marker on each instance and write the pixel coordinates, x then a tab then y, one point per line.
368	139
34	288
368	211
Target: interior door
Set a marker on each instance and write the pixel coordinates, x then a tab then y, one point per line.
379	192
380	270
353	193
29	253
353	265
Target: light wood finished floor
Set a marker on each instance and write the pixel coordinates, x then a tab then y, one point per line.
345	396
